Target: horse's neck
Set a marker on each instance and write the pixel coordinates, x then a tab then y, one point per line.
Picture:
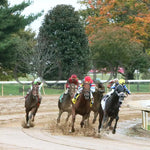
115	98
82	98
97	94
68	96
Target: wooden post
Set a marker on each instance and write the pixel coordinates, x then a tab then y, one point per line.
143	119
43	90
129	86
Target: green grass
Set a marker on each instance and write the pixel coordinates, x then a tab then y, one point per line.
139	87
148	127
17	89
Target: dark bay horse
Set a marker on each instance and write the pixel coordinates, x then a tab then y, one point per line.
32	103
65	104
82	106
96	107
111	110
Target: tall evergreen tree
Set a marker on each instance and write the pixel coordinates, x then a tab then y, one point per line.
11	23
64	37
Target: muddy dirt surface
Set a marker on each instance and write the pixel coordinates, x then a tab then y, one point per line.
46	135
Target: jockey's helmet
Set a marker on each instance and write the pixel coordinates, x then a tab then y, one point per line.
38	80
121	81
73	76
98	80
88	79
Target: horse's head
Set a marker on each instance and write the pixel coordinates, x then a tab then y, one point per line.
86	90
72	90
35	90
121	96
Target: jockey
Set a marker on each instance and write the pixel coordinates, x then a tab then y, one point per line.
36	82
87	79
111	83
121	83
99	85
73	79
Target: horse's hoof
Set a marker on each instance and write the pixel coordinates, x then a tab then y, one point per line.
113	132
28	125
58	121
111	128
93	121
72	130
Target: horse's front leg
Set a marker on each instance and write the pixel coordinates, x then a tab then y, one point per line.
73	121
59	115
95	116
110	122
27	118
83	120
69	114
114	129
101	114
34	113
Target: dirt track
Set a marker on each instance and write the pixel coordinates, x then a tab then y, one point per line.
46	135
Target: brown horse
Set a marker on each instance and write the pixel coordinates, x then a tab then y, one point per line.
96	107
32	103
65	104
82	106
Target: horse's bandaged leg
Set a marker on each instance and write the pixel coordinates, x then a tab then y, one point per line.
103	104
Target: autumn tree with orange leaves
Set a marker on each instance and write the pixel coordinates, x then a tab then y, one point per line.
132	15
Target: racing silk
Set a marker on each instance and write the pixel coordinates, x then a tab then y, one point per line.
126	89
70	81
92	89
114	86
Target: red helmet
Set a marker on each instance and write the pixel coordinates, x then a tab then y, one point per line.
73	76
88	79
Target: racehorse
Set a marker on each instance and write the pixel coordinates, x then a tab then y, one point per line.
82	106
32	103
65	104
96	107
111	110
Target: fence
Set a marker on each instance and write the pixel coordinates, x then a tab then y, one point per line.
8	88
